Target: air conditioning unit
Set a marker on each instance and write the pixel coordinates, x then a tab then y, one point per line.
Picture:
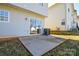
43	31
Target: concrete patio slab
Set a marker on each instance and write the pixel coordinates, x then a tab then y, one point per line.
38	45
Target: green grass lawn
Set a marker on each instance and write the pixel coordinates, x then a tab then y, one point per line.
15	48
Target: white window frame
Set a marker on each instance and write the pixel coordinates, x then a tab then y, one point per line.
8	16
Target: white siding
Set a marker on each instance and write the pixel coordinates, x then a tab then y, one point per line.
35	7
56	14
17	26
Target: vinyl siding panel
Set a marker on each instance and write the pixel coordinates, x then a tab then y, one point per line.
56	14
17	26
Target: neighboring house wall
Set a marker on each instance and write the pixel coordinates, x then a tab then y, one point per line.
17	26
56	14
60	17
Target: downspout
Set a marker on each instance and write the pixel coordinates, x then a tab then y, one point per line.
65	16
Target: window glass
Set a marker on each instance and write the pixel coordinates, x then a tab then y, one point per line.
68	10
62	23
35	24
1	13
6	14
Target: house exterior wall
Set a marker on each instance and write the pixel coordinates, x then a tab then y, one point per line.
17	26
56	14
40	8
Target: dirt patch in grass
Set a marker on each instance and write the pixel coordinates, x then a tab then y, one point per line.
13	48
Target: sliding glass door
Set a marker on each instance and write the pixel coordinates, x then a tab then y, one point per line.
35	24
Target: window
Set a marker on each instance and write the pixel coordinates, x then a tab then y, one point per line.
68	10
62	23
4	16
